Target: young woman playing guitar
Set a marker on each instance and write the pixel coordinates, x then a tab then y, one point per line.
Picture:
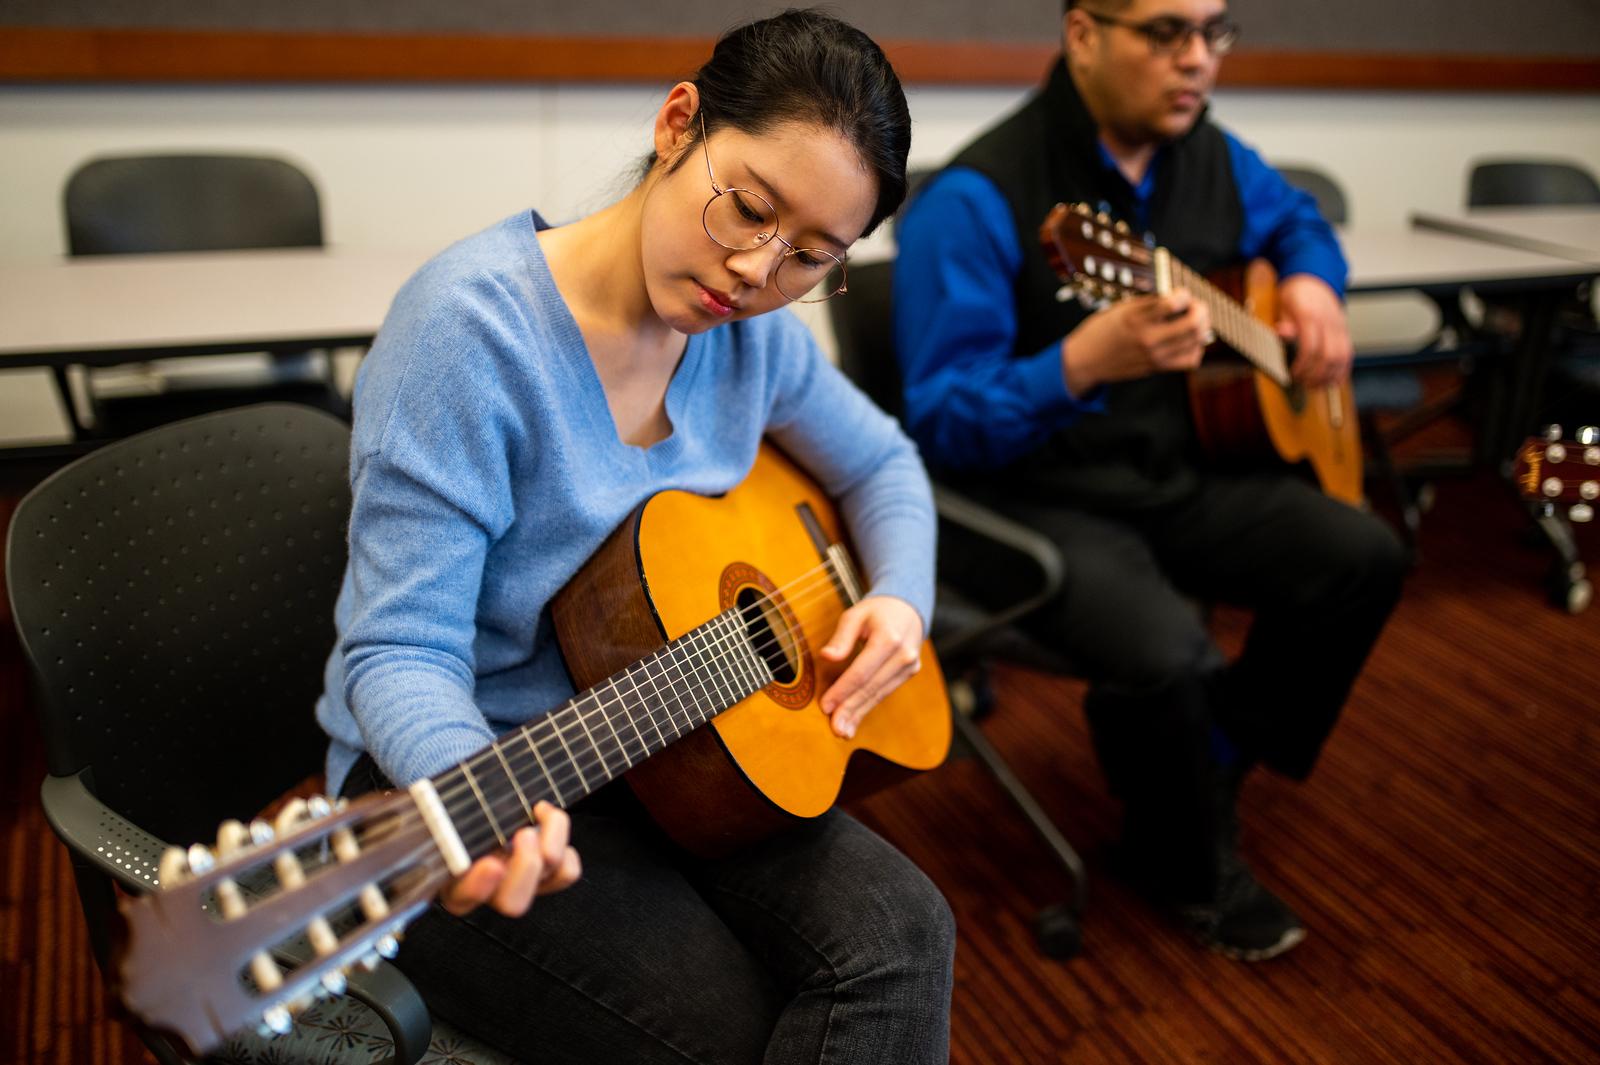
533	385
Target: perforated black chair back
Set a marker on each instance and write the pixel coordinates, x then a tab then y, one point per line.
1530	182
1323	188
174	592
863	329
168	203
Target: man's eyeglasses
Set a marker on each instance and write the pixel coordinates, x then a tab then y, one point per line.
741	220
1171	35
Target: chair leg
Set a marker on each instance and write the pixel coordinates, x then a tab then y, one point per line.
1057	928
1394	480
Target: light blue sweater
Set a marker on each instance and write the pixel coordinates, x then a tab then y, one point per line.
486	469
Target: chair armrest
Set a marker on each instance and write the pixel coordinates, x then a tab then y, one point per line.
967	519
99	835
386	992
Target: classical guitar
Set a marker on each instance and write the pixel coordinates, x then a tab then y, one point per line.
695	612
1245	407
1561	473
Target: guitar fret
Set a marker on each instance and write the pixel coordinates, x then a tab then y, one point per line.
598	750
527	807
605	715
561	800
488	813
653	674
709	667
571	760
633	719
711	663
684	683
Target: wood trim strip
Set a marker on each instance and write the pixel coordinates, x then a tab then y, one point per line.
29	54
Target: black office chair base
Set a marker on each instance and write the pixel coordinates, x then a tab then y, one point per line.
1059	931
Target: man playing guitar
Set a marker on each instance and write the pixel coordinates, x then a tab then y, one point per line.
1079	424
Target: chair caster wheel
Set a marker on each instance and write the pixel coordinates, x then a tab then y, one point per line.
1580	593
971	693
1058	931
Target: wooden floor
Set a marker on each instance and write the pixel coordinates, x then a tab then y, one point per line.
1445	857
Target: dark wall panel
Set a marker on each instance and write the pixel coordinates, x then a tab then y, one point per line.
1481	27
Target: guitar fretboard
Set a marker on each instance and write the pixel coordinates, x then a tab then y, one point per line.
603	732
1234	323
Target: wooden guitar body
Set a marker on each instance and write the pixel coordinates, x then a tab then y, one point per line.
771	759
1241	414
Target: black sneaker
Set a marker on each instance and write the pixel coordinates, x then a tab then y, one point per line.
1246	922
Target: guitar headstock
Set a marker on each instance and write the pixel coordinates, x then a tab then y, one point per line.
1560	472
1099	261
213	950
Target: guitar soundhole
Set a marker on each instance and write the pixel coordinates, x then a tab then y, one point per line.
774	632
773	647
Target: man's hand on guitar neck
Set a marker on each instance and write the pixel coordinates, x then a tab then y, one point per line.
1134	338
889	631
1310	314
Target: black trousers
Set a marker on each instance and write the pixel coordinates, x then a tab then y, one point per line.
1320	576
822	944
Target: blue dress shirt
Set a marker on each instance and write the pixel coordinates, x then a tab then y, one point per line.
968	403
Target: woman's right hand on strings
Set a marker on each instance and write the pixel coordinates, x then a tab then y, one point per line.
1134	338
537	862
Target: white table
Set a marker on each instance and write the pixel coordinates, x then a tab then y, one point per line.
103	310
1566	232
1389	260
1533	255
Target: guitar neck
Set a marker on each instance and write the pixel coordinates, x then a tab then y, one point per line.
600	734
1232	320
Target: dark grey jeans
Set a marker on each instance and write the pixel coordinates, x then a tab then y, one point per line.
824	944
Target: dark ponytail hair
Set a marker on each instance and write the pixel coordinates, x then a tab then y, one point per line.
808	66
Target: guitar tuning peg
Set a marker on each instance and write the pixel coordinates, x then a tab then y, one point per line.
1551	432
1121	226
1588	435
232	837
276	1021
173	867
1081	210
1103	218
1065	293
293	812
319	806
201	860
334	983
387	946
260	832
1581	513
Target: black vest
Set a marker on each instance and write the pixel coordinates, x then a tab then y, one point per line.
1142	451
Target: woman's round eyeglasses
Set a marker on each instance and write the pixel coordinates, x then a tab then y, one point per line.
741	220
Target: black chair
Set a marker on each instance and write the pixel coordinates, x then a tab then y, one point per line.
174	593
1331	203
1524	182
124	205
992	572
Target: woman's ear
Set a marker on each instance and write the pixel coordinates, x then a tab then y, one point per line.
675	121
